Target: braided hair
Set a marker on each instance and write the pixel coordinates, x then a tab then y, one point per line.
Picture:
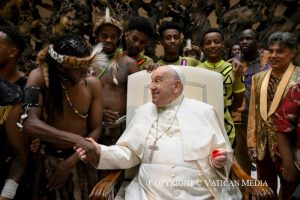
65	45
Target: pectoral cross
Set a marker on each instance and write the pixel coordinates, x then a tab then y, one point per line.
153	148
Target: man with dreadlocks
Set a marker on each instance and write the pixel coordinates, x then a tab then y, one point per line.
113	78
62	106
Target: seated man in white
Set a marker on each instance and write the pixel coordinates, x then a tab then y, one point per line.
172	138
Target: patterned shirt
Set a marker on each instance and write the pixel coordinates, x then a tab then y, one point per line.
287	116
231	85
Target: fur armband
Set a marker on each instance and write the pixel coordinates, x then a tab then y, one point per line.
31	96
31	99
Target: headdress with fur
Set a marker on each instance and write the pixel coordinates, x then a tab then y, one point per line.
96	58
98	24
107	19
189	47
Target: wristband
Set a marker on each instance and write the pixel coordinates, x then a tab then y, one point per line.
10	188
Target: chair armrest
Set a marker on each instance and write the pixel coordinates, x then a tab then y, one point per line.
260	191
105	188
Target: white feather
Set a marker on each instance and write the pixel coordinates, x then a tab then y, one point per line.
107	16
115	80
100	59
113	68
188	44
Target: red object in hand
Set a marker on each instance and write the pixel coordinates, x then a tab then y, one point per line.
215	153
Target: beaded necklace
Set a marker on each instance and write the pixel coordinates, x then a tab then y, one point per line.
71	104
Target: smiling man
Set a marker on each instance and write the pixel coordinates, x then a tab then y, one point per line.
268	89
137	36
252	64
171	40
113	77
212	43
161	138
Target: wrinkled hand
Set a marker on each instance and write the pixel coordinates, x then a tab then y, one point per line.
237	67
252	154
219	158
290	172
35	145
110	116
92	157
60	175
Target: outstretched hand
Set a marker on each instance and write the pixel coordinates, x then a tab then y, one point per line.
90	155
219	158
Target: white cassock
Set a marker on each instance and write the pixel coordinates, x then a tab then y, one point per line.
181	165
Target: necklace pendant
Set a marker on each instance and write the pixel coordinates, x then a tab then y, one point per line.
152	148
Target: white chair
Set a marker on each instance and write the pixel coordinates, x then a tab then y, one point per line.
201	84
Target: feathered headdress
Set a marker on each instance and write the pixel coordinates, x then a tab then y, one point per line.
96	58
189	47
107	19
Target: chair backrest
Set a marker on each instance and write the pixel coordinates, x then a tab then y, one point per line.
201	84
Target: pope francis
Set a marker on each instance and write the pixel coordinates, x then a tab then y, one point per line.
182	149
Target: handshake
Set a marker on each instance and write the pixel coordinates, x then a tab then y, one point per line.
88	151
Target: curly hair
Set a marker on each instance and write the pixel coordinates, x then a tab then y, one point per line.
141	24
169	25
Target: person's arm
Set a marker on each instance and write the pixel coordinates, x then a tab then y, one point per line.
251	139
18	142
35	127
132	66
289	171
95	111
110	157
